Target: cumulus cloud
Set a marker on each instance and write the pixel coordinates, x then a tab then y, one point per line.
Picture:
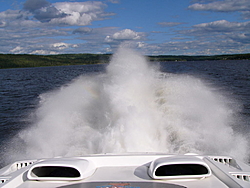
46	14
223	26
215	37
224	6
79	13
221	29
41	27
195	47
63	13
46	47
60	45
17	50
2	23
16	19
43	52
12	15
126	34
241	37
42	10
127	38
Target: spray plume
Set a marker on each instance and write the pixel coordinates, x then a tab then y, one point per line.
131	108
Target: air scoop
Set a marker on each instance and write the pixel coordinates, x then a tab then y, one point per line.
61	170
179	167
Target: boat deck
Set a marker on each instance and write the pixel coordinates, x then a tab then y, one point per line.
127	171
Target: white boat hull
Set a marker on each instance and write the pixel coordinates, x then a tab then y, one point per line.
147	170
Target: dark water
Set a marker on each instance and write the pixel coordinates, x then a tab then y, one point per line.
20	88
232	78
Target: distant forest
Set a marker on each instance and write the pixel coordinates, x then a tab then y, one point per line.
25	60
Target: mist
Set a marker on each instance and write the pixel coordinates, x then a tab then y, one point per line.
132	107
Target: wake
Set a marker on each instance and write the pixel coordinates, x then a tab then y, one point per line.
133	107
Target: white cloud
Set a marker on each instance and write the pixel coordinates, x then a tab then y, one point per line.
215	38
126	37
13	15
81	7
243	38
2	23
43	52
50	28
41	27
126	34
219	30
224	6
224	26
60	45
79	13
64	13
195	47
140	44
17	50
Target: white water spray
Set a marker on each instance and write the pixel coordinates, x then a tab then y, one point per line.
131	108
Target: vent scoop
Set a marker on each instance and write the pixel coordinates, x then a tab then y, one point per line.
56	171
61	169
183	167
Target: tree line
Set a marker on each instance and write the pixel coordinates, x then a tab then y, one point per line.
26	60
163	58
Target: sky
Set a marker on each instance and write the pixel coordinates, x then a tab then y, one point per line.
153	27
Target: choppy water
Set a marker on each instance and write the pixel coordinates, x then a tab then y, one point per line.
126	106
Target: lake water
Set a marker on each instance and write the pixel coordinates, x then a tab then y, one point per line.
75	110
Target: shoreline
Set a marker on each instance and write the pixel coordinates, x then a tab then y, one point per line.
8	61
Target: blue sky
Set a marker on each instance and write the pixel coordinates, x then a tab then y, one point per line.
154	27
